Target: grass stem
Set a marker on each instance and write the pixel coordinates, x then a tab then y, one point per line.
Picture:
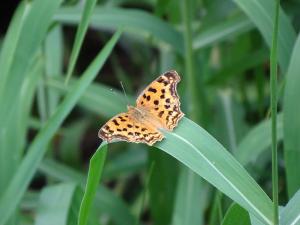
273	87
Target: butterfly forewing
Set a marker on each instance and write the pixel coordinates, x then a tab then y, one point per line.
160	98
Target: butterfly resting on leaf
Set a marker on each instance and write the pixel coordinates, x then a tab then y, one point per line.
157	107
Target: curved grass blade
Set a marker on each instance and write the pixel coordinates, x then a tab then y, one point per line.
18	54
199	151
291	127
261	14
95	172
134	21
83	25
20	181
36	20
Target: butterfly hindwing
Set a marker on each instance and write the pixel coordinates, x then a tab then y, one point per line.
127	128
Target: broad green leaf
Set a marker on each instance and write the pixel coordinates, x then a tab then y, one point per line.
260	13
290	214
82	28
132	20
21	179
236	215
95	172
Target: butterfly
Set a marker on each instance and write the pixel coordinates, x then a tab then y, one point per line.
157	107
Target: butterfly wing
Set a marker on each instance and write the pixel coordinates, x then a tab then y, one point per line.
127	128
160	98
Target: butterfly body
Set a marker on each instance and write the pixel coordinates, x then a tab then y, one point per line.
157	107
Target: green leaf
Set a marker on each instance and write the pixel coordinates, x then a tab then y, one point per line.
290	214
260	13
257	141
221	31
53	63
188	195
36	20
236	215
56	204
162	186
20	181
95	172
110	100
105	200
291	127
18	70
83	25
132	20
199	151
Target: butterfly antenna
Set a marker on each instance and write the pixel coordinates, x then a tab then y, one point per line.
127	100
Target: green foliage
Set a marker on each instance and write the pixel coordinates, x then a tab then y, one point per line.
215	167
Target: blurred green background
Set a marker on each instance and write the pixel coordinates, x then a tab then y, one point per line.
52	104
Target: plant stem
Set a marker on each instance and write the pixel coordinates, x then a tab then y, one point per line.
189	61
273	87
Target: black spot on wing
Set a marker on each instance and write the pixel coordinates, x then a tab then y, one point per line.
152	90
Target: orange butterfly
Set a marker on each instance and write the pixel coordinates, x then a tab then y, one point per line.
157	107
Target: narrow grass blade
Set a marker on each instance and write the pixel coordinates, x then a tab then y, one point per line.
95	172
16	67
20	181
236	215
221	31
10	43
291	125
82	28
260	13
273	103
290	215
105	201
55	204
133	21
37	21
